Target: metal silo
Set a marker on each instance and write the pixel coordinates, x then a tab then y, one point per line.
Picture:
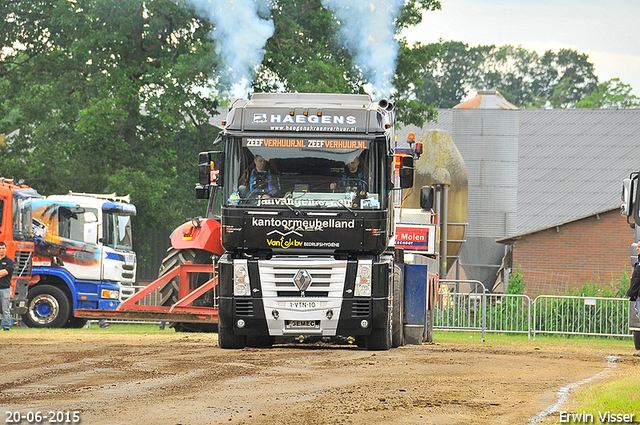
440	153
485	130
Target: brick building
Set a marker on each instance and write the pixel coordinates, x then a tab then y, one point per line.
559	259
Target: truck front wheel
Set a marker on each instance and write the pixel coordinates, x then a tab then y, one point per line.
380	338
228	339
397	316
636	339
47	307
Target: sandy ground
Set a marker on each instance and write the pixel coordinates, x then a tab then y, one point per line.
179	378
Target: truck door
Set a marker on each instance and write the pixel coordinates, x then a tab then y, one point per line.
119	260
76	241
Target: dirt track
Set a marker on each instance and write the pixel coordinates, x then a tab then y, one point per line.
171	378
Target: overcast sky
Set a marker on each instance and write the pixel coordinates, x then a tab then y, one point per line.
606	30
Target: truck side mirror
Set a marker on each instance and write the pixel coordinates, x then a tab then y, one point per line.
406	172
627	201
202	192
204	168
634	200
210	168
90	217
91	233
426	198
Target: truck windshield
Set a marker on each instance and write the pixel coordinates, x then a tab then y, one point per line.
304	172
117	231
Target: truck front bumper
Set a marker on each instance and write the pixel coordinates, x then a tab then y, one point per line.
319	317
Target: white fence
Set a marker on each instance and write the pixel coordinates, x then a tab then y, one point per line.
466	306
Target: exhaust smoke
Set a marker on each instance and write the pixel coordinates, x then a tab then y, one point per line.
240	33
367	30
242	27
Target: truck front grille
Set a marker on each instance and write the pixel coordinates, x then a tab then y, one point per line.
360	309
310	294
244	307
327	277
22	264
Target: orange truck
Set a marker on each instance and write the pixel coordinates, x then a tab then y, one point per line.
15	231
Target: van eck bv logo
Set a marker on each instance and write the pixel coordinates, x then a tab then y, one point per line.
305	119
284	243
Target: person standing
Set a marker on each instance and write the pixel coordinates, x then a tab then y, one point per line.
6	270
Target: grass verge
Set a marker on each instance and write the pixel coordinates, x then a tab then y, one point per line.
612	402
605	403
585	344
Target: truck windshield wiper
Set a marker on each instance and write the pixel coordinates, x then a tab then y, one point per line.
295	211
346	207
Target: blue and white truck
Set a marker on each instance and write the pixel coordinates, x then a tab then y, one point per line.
84	257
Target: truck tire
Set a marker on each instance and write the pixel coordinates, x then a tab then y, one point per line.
397	315
229	340
47	307
169	293
379	339
636	339
76	323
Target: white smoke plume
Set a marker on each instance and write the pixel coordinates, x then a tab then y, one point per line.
240	34
367	30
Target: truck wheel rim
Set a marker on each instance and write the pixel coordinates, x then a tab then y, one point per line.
44	309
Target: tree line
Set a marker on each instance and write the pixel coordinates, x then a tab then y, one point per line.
565	79
118	95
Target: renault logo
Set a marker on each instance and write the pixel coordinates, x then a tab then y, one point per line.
302	279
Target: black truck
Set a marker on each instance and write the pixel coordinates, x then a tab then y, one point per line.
307	187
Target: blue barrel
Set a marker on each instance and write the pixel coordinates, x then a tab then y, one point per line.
415	294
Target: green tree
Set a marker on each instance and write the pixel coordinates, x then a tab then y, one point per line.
413	63
523	77
569	77
447	81
610	94
305	54
105	97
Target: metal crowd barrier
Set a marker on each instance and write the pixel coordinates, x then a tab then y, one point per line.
465	305
569	315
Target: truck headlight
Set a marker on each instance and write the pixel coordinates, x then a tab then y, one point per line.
108	293
363	281
241	286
